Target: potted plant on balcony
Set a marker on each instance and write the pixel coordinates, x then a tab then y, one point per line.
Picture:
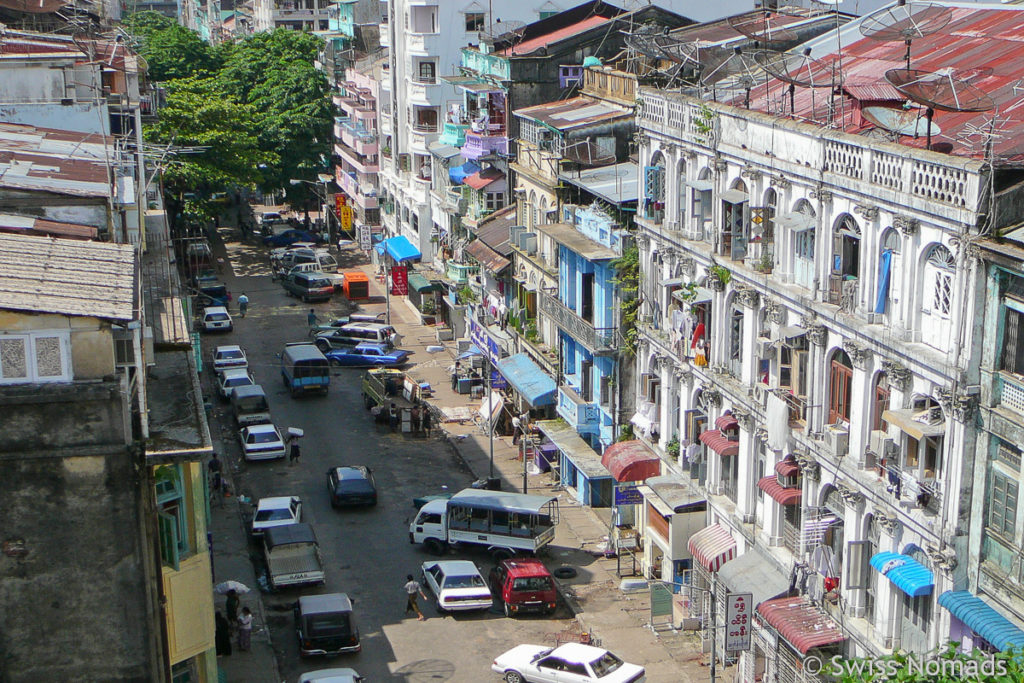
765	265
672	447
531	333
718	277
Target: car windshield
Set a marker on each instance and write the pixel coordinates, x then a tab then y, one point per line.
605	664
320	283
263	437
273	515
355	486
217	317
229	355
463	582
237	381
532	583
328	624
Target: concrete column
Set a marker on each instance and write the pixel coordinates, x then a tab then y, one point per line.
746	487
860	412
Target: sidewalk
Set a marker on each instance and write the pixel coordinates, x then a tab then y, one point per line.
618	620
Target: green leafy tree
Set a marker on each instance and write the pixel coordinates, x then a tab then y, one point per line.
171	51
627	278
948	665
222	133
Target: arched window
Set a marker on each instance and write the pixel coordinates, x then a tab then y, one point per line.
763	230
890	247
543	211
735	221
681	186
804	228
845	267
937	297
839	393
880	404
654	189
736	340
532	209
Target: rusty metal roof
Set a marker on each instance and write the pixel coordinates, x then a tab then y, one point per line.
70	277
533	44
575	113
59	161
33	225
981	44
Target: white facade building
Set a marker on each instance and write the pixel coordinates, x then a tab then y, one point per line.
299	15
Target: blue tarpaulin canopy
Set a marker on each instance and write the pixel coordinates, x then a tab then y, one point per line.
470	352
984	620
400	249
906	573
459	173
535	386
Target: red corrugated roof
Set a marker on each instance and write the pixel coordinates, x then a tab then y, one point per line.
771	486
714	440
787	468
480	180
984	42
631	461
528	46
802	624
727	421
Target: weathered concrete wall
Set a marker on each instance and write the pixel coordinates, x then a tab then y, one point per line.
72	584
92	346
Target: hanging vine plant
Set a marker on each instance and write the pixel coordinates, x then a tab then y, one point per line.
627	279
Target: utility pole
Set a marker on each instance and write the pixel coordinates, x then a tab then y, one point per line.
490	413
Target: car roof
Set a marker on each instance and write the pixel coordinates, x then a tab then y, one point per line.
351	471
275	502
288	534
230	373
326	602
525	566
251	390
342	675
372	345
458	567
228	347
578	652
265	427
214	309
366	326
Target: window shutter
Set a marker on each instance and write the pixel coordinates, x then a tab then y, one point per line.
858	554
168	540
654	183
1013	349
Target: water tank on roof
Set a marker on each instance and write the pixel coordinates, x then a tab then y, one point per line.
591	61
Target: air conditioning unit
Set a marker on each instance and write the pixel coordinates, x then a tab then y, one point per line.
880	444
765	347
514	232
528	242
837	438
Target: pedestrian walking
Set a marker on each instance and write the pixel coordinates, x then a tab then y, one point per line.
222	635
414	418
245	630
393	417
426	421
243	304
516	424
294	453
413	589
231	607
312	319
216	480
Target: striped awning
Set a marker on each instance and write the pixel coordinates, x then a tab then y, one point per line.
785	496
983	619
712	546
727	421
906	573
716	441
802	624
786	468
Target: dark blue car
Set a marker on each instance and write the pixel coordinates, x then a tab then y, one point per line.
368	354
288	237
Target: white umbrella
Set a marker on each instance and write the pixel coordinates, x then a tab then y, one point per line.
224	587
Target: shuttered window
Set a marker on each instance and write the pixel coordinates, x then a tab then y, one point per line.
1013	342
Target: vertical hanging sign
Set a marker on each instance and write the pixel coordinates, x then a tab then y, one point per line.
399	280
738	621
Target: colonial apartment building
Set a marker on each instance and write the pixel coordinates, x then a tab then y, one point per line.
810	348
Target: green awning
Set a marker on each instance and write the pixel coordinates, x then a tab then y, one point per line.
422	284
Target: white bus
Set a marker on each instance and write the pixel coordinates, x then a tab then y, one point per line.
505	523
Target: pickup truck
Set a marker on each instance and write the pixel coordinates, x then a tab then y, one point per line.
293	555
384	386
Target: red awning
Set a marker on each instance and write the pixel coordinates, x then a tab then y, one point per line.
771	486
714	440
787	468
631	461
802	624
727	421
482	179
712	546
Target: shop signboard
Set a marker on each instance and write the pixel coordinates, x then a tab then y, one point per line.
399	280
738	621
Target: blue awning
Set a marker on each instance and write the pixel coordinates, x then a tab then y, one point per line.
459	173
469	353
401	249
982	619
906	573
535	386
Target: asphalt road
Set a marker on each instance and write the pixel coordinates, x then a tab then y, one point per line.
366	553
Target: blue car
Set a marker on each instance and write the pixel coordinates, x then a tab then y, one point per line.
288	237
368	354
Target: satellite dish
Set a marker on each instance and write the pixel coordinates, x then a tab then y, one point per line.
940	90
643	41
906	21
799	68
587	153
763	27
696	53
737	69
912	122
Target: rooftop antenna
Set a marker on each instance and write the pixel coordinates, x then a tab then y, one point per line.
762	27
799	69
941	90
587	153
737	70
906	21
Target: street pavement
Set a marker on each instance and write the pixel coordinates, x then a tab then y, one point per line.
619	621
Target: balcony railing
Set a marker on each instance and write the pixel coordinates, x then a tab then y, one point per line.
598	340
842	292
583	416
478	145
454	134
1011	392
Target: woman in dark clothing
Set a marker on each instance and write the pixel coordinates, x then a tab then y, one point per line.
232	606
222	635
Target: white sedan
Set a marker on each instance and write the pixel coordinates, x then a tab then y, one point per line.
344	675
276	511
569	663
230	356
228	379
457	584
261	442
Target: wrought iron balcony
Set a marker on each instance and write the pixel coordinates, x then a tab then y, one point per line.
600	340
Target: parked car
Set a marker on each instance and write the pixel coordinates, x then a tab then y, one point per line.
229	356
249	405
288	237
304	369
330	325
342	675
261	442
355	333
228	379
216	319
368	354
309	287
524	584
457	585
276	511
325	625
567	663
212	294
351	485
293	555
279	252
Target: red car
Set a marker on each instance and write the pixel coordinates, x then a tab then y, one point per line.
524	584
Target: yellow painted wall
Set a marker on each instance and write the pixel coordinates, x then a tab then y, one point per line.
189	593
92	345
